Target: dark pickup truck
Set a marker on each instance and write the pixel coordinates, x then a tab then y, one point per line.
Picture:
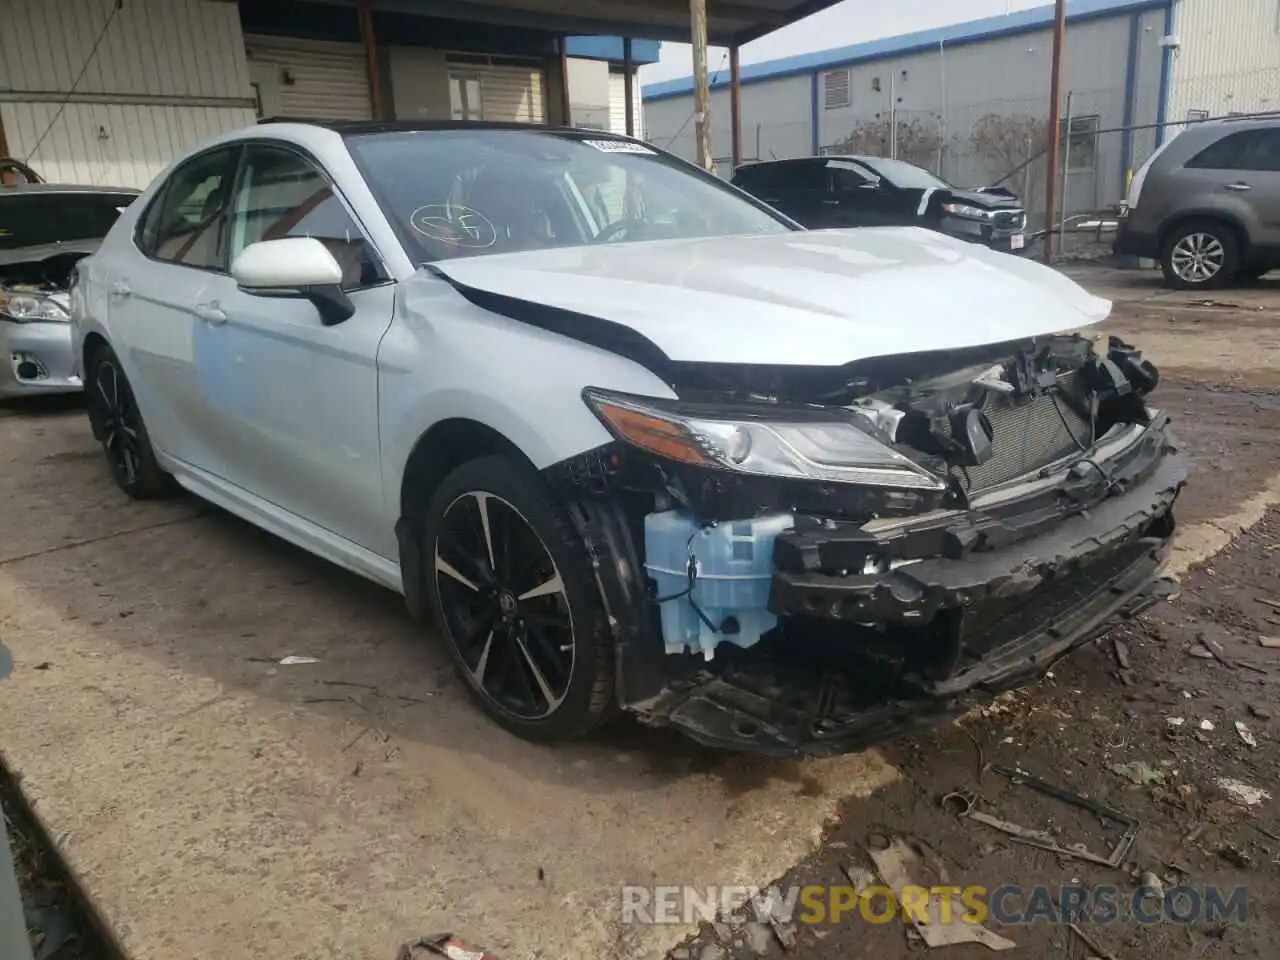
860	191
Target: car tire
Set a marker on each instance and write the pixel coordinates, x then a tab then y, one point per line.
1201	255
117	424
510	590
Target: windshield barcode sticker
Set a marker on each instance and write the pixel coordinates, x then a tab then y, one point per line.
619	146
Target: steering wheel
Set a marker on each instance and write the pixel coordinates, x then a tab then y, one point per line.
615	228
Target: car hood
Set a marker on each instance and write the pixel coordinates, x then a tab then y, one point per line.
985	200
813	298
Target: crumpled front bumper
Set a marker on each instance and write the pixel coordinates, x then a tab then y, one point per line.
962	604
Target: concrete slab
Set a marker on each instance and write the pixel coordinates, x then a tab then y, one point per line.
219	805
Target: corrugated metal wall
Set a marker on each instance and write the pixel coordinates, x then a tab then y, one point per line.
508	92
618	103
1229	58
166	74
329	81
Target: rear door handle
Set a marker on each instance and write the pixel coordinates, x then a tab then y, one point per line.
1239	187
120	290
832	203
211	314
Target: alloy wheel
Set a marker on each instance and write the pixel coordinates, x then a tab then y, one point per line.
1198	257
120	422
504	605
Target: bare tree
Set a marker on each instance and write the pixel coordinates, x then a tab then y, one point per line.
1008	143
918	141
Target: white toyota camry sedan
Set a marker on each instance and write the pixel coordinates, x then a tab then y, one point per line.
628	439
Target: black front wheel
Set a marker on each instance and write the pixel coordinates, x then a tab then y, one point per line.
512	594
117	425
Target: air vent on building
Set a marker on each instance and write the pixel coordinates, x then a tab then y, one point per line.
835	89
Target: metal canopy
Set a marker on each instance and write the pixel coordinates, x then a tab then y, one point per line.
728	23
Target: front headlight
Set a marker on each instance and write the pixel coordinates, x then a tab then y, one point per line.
19	306
798	445
966	211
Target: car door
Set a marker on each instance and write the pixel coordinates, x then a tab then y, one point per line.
797	188
1262	175
153	288
293	402
1240	174
864	198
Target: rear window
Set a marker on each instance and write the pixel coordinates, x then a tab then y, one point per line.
40	219
1247	150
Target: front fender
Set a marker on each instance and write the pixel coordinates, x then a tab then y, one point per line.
444	358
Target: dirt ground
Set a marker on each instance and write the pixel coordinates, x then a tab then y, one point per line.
1103	726
338	809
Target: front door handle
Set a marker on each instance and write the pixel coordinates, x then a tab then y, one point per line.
832	203
211	314
1239	187
120	291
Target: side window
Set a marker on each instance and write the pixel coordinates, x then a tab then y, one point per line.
846	176
185	224
1247	150
283	194
802	176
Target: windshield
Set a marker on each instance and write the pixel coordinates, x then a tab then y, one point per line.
42	219
906	175
466	193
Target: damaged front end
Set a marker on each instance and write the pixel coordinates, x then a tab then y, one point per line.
805	560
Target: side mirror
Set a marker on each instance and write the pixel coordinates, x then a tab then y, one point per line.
870	185
295	267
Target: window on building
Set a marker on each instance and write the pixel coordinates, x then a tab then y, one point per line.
464	97
1246	150
1082	142
835	89
875	84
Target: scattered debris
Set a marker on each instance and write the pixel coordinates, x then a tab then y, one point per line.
1273	604
1139	772
442	945
1092	945
1215	649
1150	881
1194	834
893	864
1121	651
786	933
1200	651
860	877
292	661
1173	722
1271	643
1246	735
1245	794
1206	725
1260	713
1235	856
962	804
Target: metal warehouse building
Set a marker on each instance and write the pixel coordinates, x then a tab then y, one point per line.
971	101
110	91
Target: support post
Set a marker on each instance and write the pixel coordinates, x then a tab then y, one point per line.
629	85
373	69
1055	125
735	105
701	83
566	108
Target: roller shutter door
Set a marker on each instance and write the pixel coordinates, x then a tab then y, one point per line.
618	104
508	92
328	79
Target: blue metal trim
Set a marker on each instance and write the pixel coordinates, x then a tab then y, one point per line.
1130	96
610	48
1166	74
959	34
815	117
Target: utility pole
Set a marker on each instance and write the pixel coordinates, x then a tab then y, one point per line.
1055	124
701	82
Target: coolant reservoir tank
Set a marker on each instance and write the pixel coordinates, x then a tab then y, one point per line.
726	598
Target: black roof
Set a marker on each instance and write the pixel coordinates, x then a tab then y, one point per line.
356	128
